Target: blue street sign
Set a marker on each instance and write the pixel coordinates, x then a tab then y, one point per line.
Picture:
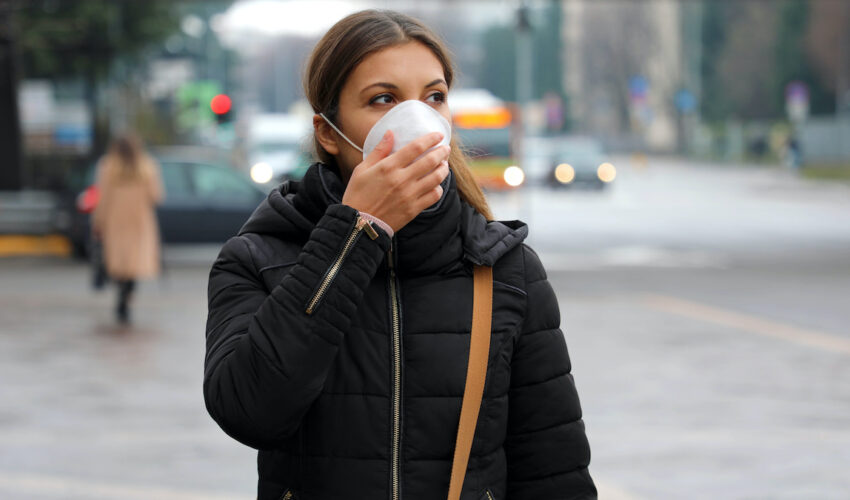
685	101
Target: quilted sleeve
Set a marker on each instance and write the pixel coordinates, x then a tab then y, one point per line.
546	446
267	358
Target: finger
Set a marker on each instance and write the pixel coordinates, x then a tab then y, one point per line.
430	197
432	179
427	163
381	151
406	155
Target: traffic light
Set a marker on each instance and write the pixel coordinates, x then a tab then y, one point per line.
221	107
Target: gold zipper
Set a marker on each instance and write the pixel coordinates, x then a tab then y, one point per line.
287	495
360	224
489	495
396	380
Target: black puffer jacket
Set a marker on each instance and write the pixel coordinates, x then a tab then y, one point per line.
360	398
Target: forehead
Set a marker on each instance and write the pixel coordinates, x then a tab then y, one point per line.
412	63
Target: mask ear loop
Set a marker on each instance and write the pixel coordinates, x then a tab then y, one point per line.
338	131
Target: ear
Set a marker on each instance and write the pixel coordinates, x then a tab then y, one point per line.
326	136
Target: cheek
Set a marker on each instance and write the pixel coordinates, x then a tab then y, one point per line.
447	114
358	126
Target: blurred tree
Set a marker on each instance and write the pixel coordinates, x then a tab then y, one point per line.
753	48
828	44
60	39
11	175
498	70
794	61
747	63
716	17
619	39
499	67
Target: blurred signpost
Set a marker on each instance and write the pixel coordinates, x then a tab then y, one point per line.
686	104
797	101
639	101
685	101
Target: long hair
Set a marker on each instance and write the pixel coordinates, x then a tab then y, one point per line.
346	44
127	153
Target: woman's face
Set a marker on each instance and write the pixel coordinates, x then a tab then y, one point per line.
382	80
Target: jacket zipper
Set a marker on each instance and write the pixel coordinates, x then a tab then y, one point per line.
287	495
360	225
489	495
396	340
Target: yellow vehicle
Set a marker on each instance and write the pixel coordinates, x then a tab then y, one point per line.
484	126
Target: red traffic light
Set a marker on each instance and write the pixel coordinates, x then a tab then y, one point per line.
220	104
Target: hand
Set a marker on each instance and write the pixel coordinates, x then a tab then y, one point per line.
396	187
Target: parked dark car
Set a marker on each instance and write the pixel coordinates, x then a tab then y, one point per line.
206	200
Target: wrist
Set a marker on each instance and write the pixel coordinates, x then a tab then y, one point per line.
378	222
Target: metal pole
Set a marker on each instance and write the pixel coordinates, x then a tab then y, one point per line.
524	68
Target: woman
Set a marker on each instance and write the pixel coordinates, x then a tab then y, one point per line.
130	187
339	318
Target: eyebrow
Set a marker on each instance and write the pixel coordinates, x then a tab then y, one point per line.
395	87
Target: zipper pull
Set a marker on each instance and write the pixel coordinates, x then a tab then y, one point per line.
367	226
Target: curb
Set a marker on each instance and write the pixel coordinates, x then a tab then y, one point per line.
17	245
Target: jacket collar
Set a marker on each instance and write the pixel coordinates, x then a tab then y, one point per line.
437	241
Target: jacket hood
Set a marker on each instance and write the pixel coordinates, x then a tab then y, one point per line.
444	234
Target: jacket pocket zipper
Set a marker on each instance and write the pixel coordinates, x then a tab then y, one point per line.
360	225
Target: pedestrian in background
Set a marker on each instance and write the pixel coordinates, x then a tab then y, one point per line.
338	335
130	187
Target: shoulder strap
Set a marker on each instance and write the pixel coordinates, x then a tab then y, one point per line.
479	352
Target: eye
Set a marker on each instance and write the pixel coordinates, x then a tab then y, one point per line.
382	99
436	97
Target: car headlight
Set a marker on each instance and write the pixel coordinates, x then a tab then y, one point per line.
262	173
606	172
514	176
565	173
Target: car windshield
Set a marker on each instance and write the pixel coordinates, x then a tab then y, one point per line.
579	148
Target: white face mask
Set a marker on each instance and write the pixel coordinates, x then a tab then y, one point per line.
408	120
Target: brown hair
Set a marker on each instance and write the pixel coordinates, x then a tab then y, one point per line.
346	44
127	154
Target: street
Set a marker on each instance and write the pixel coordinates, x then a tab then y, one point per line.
706	309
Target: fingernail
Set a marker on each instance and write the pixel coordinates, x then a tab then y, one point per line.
386	136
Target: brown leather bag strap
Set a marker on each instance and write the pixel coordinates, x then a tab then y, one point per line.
476	372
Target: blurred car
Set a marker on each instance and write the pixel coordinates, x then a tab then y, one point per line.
578	162
277	147
206	200
568	161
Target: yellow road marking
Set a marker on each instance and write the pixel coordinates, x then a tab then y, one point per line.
749	323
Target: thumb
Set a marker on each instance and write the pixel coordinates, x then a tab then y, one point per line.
382	150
